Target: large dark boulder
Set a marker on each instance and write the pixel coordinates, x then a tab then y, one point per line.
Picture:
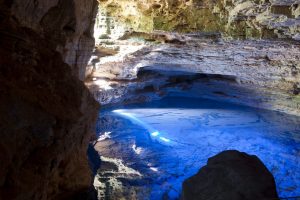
231	175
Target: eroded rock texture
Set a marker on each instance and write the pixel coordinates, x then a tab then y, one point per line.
231	175
47	114
66	24
257	73
237	18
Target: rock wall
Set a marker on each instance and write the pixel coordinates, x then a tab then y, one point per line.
235	18
257	73
46	113
66	24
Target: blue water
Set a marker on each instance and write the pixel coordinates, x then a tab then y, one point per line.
169	140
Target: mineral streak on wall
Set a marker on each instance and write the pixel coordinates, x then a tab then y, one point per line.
239	19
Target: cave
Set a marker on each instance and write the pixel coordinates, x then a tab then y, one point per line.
152	99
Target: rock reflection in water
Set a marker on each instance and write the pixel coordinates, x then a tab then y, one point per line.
149	149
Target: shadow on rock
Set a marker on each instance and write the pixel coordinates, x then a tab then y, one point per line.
231	175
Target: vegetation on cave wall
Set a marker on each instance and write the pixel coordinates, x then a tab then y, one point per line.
235	18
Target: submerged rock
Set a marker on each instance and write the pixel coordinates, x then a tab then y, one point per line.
231	175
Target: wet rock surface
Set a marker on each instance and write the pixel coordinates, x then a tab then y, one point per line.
231	175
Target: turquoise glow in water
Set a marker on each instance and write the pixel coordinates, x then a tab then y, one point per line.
169	140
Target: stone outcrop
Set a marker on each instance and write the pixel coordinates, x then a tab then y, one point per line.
231	175
66	24
47	114
263	73
235	18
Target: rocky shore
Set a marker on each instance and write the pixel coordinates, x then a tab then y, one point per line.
258	73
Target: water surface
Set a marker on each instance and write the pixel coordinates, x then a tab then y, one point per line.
149	149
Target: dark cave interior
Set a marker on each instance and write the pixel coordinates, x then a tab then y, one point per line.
152	99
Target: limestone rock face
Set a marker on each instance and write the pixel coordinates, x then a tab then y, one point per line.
46	113
66	24
231	175
235	18
257	73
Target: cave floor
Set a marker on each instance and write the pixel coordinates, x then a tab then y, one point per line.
149	149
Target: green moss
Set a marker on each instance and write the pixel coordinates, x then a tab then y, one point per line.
145	24
162	23
204	20
296	101
253	33
107	42
104	36
206	16
189	20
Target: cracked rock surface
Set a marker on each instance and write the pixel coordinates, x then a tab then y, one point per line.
234	18
259	73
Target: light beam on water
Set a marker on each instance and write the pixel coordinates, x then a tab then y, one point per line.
177	141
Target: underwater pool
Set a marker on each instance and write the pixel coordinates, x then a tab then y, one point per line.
149	149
